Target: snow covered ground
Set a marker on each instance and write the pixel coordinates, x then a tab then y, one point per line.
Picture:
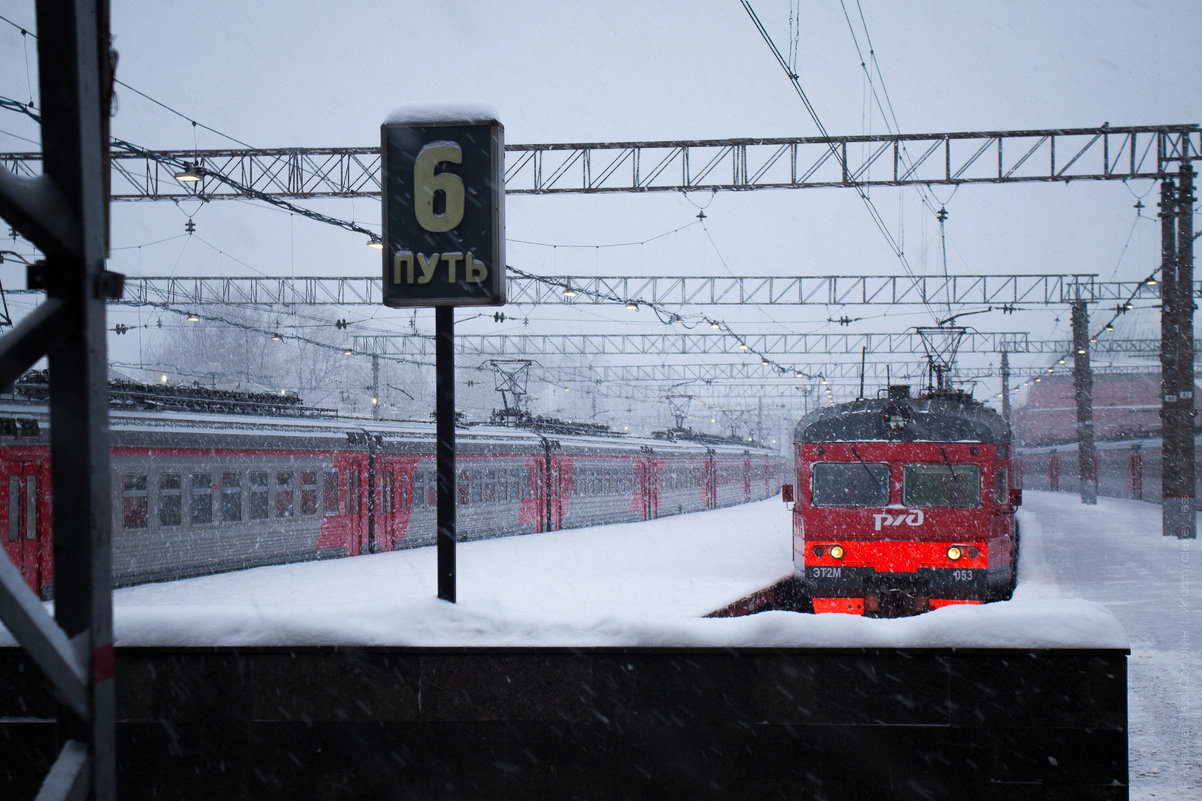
1114	554
631	584
1098	576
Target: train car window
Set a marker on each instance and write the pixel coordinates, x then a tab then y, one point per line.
352	491
386	496
849	484
283	494
470	493
503	485
31	507
999	485
135	503
941	485
171	500
202	498
258	495
14	508
308	492
231	497
403	502
330	491
490	486
419	490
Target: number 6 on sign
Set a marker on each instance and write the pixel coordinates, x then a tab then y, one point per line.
443	193
427	183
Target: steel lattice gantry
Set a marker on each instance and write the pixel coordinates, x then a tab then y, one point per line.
884	290
834	372
679	344
1104	153
798	346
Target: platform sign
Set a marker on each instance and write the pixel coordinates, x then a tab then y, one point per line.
443	197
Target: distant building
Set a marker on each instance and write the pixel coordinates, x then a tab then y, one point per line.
1124	405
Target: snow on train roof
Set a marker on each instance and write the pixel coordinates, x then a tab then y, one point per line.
134	426
929	419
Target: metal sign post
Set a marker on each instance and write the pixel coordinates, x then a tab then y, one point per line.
444	246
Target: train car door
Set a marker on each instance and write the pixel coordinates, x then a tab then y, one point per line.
356	507
711	482
23	542
655	486
647	476
386	507
559	484
1054	472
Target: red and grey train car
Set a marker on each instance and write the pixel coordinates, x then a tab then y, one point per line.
1126	468
197	493
904	504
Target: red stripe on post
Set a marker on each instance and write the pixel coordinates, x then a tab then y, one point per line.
102	663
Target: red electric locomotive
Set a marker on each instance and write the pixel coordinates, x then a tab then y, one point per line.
904	504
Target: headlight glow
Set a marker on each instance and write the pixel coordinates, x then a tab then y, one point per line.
954	553
837	551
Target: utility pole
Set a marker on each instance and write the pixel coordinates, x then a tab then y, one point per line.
1185	335
375	386
1087	465
1006	387
1177	356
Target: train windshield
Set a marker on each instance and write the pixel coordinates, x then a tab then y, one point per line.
850	484
941	485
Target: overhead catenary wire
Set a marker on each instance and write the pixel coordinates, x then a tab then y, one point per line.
795	81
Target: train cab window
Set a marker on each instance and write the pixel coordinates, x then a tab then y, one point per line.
308	492
258	495
283	494
231	497
957	485
330	491
202	498
999	485
135	503
849	484
171	500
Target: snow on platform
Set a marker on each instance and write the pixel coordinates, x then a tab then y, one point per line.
637	584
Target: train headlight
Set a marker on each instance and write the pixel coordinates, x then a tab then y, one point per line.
954	553
836	551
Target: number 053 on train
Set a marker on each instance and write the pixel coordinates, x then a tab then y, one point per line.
904	504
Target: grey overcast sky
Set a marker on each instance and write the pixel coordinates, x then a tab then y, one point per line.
277	74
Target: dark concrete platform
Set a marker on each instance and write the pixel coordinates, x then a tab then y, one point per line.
596	723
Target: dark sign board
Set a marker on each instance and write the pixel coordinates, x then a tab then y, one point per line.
444	222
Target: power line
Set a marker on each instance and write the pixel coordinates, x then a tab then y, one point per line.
875	215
